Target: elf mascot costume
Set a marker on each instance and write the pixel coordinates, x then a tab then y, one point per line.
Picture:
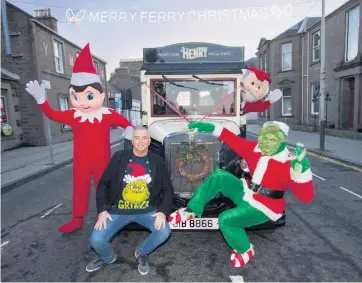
255	85
91	123
260	200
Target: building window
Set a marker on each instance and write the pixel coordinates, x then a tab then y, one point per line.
316	46
286	56
266	61
287	102
58	54
352	31
261	58
96	66
314	109
4	112
64	105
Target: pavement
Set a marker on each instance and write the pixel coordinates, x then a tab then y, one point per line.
19	166
321	241
344	150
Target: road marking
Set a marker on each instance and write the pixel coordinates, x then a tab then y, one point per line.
69	165
357	195
117	144
4	244
335	161
50	210
319	177
237	278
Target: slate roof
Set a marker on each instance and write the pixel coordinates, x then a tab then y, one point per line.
306	23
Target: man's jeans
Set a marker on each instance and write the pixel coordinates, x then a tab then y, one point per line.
99	239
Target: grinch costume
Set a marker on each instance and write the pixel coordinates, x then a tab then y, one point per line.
259	200
91	124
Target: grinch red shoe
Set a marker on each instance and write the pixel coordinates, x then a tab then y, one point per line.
180	215
239	260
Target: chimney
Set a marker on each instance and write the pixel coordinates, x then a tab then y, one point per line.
45	17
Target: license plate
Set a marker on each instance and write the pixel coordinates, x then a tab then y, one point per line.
198	223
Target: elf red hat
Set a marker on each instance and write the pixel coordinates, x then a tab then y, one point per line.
260	74
84	72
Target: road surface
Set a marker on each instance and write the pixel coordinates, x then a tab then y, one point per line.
322	241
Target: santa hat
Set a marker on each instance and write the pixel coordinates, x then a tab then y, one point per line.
260	74
282	126
84	72
138	173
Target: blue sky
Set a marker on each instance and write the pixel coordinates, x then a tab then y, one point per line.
124	27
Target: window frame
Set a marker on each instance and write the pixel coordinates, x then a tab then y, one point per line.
291	56
57	43
65	127
347	30
312	110
317	46
291	99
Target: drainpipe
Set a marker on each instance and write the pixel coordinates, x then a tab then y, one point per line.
6	27
302	120
308	58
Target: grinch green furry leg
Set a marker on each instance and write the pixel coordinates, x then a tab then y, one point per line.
234	221
220	181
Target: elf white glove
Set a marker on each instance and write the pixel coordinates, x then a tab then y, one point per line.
274	95
37	91
128	133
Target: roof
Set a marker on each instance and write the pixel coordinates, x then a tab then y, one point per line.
299	27
33	19
7	75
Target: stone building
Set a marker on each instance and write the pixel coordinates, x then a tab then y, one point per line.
293	61
32	49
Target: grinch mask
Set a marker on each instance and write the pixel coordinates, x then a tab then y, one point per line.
271	140
252	89
87	99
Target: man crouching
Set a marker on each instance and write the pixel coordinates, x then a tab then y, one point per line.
145	197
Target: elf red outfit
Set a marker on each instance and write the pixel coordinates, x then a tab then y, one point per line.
91	132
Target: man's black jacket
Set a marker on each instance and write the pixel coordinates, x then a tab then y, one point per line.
111	183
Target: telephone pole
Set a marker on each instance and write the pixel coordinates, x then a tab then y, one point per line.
322	118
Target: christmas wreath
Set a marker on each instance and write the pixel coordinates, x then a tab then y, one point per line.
189	154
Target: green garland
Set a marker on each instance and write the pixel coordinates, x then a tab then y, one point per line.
189	153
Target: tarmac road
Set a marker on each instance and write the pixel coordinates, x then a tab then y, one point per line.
322	241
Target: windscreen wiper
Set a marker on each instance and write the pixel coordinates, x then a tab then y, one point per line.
175	84
206	82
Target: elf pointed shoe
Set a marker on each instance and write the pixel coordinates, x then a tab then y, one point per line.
181	215
239	260
76	223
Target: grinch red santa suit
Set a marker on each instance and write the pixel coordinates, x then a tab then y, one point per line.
91	123
273	172
255	85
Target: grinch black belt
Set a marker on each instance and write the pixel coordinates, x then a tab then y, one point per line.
265	191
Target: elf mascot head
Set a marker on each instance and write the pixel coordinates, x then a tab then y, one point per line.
85	90
255	86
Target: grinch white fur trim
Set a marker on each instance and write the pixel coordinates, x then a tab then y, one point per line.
248	197
129	178
305	177
80	79
281	156
217	131
91	115
260	169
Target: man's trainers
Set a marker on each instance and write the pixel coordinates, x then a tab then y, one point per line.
98	263
142	260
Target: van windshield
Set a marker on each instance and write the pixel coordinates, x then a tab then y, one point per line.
193	97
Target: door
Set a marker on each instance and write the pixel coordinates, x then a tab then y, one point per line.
351	103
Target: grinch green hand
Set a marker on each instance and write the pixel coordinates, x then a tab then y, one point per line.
300	163
202	127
